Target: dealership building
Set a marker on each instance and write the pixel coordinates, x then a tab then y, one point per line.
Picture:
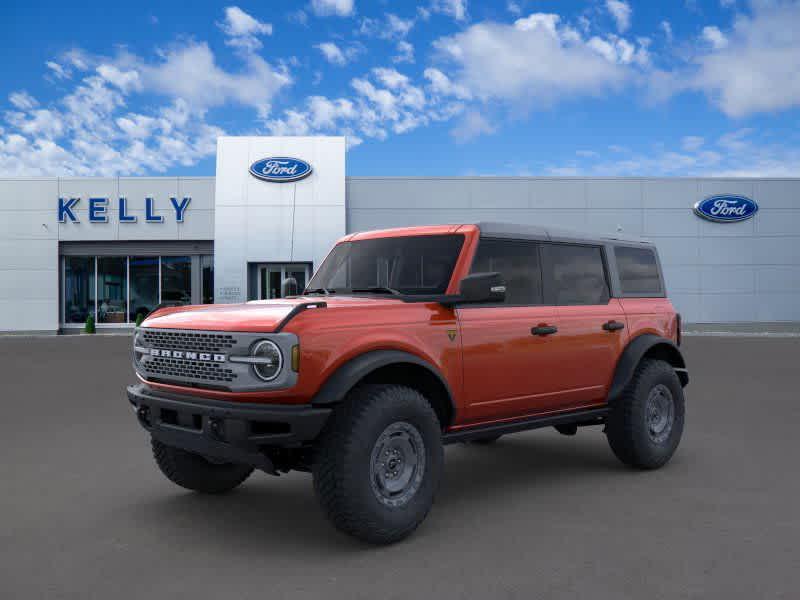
117	247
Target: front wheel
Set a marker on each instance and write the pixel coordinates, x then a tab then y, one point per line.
378	463
645	424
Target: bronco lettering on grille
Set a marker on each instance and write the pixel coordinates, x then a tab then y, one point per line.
186	355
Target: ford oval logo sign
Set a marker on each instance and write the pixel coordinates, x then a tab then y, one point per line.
280	169
726	209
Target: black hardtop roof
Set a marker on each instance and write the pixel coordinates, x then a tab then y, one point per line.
550	234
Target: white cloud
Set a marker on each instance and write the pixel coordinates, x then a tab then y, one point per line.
385	101
758	70
715	37
514	8
391	27
453	8
191	72
243	29
127	80
621	11
336	55
537	60
398	27
666	27
727	3
441	84
22	100
735	154
298	16
471	125
91	131
405	53
339	8
57	70
692	143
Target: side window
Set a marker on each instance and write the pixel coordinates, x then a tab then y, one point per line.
518	263
638	271
575	274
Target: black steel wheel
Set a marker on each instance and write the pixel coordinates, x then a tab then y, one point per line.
378	462
645	424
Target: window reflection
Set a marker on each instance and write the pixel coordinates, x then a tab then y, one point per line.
176	280
78	288
207	268
144	285
111	289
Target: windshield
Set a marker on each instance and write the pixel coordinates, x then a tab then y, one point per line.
420	264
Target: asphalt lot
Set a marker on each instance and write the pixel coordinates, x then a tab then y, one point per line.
84	513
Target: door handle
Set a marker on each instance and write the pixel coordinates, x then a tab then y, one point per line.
613	325
544	330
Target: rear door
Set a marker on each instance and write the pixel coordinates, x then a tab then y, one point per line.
592	328
508	370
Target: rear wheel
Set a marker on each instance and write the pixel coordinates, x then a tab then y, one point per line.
378	463
645	424
194	472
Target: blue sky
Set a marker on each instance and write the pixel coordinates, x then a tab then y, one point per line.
437	87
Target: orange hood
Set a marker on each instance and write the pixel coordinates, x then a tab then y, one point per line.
261	316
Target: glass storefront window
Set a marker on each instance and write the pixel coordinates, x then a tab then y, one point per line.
176	280
78	288
207	270
112	284
144	285
116	289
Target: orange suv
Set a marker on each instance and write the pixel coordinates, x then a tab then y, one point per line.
406	340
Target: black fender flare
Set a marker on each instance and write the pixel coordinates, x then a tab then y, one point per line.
335	388
647	343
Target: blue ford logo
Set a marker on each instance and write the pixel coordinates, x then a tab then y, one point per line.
726	209
280	169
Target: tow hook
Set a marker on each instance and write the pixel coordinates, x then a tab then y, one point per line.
143	414
216	428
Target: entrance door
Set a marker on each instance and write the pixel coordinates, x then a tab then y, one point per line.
271	276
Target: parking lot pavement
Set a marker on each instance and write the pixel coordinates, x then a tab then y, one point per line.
84	513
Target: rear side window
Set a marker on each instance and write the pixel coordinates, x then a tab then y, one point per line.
575	274
518	264
638	271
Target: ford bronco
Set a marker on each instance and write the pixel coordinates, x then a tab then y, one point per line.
406	340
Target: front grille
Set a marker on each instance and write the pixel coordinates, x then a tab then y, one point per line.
200	371
185	340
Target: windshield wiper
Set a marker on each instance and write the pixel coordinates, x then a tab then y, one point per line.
320	290
378	289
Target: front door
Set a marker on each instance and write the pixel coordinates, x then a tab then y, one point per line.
271	277
508	367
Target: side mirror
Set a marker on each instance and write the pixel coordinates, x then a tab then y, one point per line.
483	287
289	287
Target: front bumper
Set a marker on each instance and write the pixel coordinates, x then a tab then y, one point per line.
223	430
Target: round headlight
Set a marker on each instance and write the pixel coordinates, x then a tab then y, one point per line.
270	360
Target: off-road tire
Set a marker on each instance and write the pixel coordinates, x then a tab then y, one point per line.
194	472
343	469
627	425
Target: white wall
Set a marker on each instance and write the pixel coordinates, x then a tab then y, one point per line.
715	272
28	255
253	218
30	233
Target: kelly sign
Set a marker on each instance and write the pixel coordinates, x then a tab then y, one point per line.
98	210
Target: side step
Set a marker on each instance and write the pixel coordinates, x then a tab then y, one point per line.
592	416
